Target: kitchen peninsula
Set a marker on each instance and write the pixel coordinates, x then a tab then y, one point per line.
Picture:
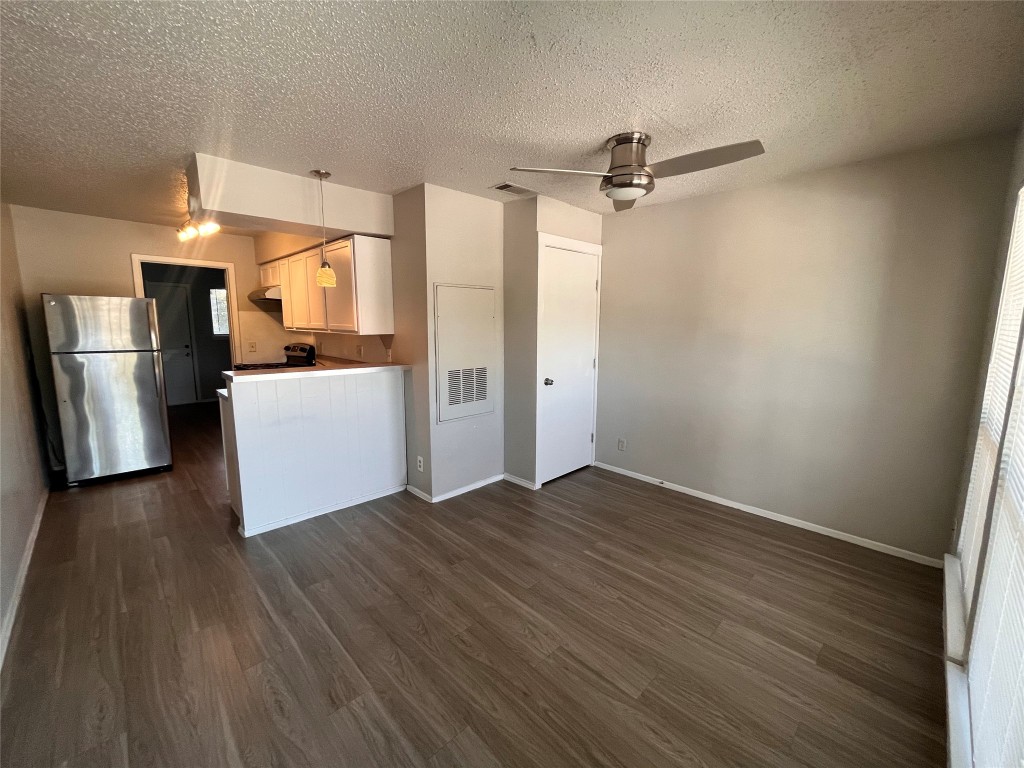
301	442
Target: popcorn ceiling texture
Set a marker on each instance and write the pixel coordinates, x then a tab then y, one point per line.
102	103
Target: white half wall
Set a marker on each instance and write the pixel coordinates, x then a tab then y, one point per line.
810	346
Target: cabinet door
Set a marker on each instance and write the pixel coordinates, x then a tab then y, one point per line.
270	274
315	294
287	302
298	290
341	300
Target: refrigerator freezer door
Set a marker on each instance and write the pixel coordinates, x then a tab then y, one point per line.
112	412
100	323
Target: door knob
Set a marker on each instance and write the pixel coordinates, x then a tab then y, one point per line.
548	382
188	354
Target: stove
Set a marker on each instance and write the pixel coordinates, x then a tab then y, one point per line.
297	356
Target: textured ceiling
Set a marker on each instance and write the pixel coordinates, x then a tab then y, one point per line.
102	103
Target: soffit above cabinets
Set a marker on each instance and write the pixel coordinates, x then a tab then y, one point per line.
245	196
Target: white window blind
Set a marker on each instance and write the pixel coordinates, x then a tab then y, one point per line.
995	663
995	667
219	311
995	402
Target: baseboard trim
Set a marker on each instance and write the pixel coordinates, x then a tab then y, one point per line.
520	481
796	522
316	512
418	493
451	494
19	583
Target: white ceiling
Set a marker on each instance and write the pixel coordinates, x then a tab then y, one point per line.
102	104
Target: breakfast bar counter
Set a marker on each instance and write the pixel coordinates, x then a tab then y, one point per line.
301	442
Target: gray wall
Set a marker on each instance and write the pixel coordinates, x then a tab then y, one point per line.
523	220
808	346
409	283
1016	183
464	247
22	482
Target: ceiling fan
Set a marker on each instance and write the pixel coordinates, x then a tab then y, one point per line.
629	177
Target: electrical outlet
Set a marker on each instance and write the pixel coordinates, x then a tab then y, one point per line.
359	350
622	444
419	463
252	346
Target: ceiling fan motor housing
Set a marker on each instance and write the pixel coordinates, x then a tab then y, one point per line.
628	170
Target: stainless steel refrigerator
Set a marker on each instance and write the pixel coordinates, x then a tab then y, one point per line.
108	374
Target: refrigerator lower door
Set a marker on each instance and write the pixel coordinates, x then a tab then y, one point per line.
112	412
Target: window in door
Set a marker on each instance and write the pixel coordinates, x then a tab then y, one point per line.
219	311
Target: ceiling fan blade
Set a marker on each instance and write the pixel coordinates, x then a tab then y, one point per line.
561	170
622	205
707	158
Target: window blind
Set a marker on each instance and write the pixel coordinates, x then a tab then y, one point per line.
995	667
995	663
995	403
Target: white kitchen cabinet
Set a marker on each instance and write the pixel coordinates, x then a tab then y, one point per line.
341	300
303	300
360	303
287	305
270	274
315	294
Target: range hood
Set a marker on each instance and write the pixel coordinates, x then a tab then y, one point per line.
270	293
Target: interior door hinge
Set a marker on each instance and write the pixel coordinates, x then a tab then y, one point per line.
597	285
595	363
591	437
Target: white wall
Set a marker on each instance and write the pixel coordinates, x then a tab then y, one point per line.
22	481
808	346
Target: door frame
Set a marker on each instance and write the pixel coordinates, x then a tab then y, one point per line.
194	348
544	240
138	259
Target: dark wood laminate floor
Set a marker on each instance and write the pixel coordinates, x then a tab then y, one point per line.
600	621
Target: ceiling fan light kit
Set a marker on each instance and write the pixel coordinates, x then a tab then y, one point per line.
629	177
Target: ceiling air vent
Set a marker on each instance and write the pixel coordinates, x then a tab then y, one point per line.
513	189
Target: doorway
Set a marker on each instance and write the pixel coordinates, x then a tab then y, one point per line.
568	283
191	306
177	340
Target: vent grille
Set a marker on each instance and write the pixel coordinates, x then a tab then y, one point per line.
513	189
467	385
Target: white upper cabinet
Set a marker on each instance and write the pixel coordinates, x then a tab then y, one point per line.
360	303
270	274
341	300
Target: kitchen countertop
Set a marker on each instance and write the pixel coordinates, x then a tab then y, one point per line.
326	366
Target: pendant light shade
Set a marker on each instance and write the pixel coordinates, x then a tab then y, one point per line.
325	277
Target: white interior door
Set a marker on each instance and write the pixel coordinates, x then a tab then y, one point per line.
567	313
177	340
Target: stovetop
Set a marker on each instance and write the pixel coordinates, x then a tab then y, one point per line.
265	366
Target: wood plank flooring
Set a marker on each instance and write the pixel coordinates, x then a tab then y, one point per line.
597	622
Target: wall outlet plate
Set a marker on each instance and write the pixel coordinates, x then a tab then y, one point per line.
419	463
622	444
252	346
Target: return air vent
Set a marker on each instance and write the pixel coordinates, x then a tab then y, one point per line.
467	350
467	385
513	189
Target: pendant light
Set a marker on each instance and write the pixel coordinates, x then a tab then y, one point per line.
325	277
